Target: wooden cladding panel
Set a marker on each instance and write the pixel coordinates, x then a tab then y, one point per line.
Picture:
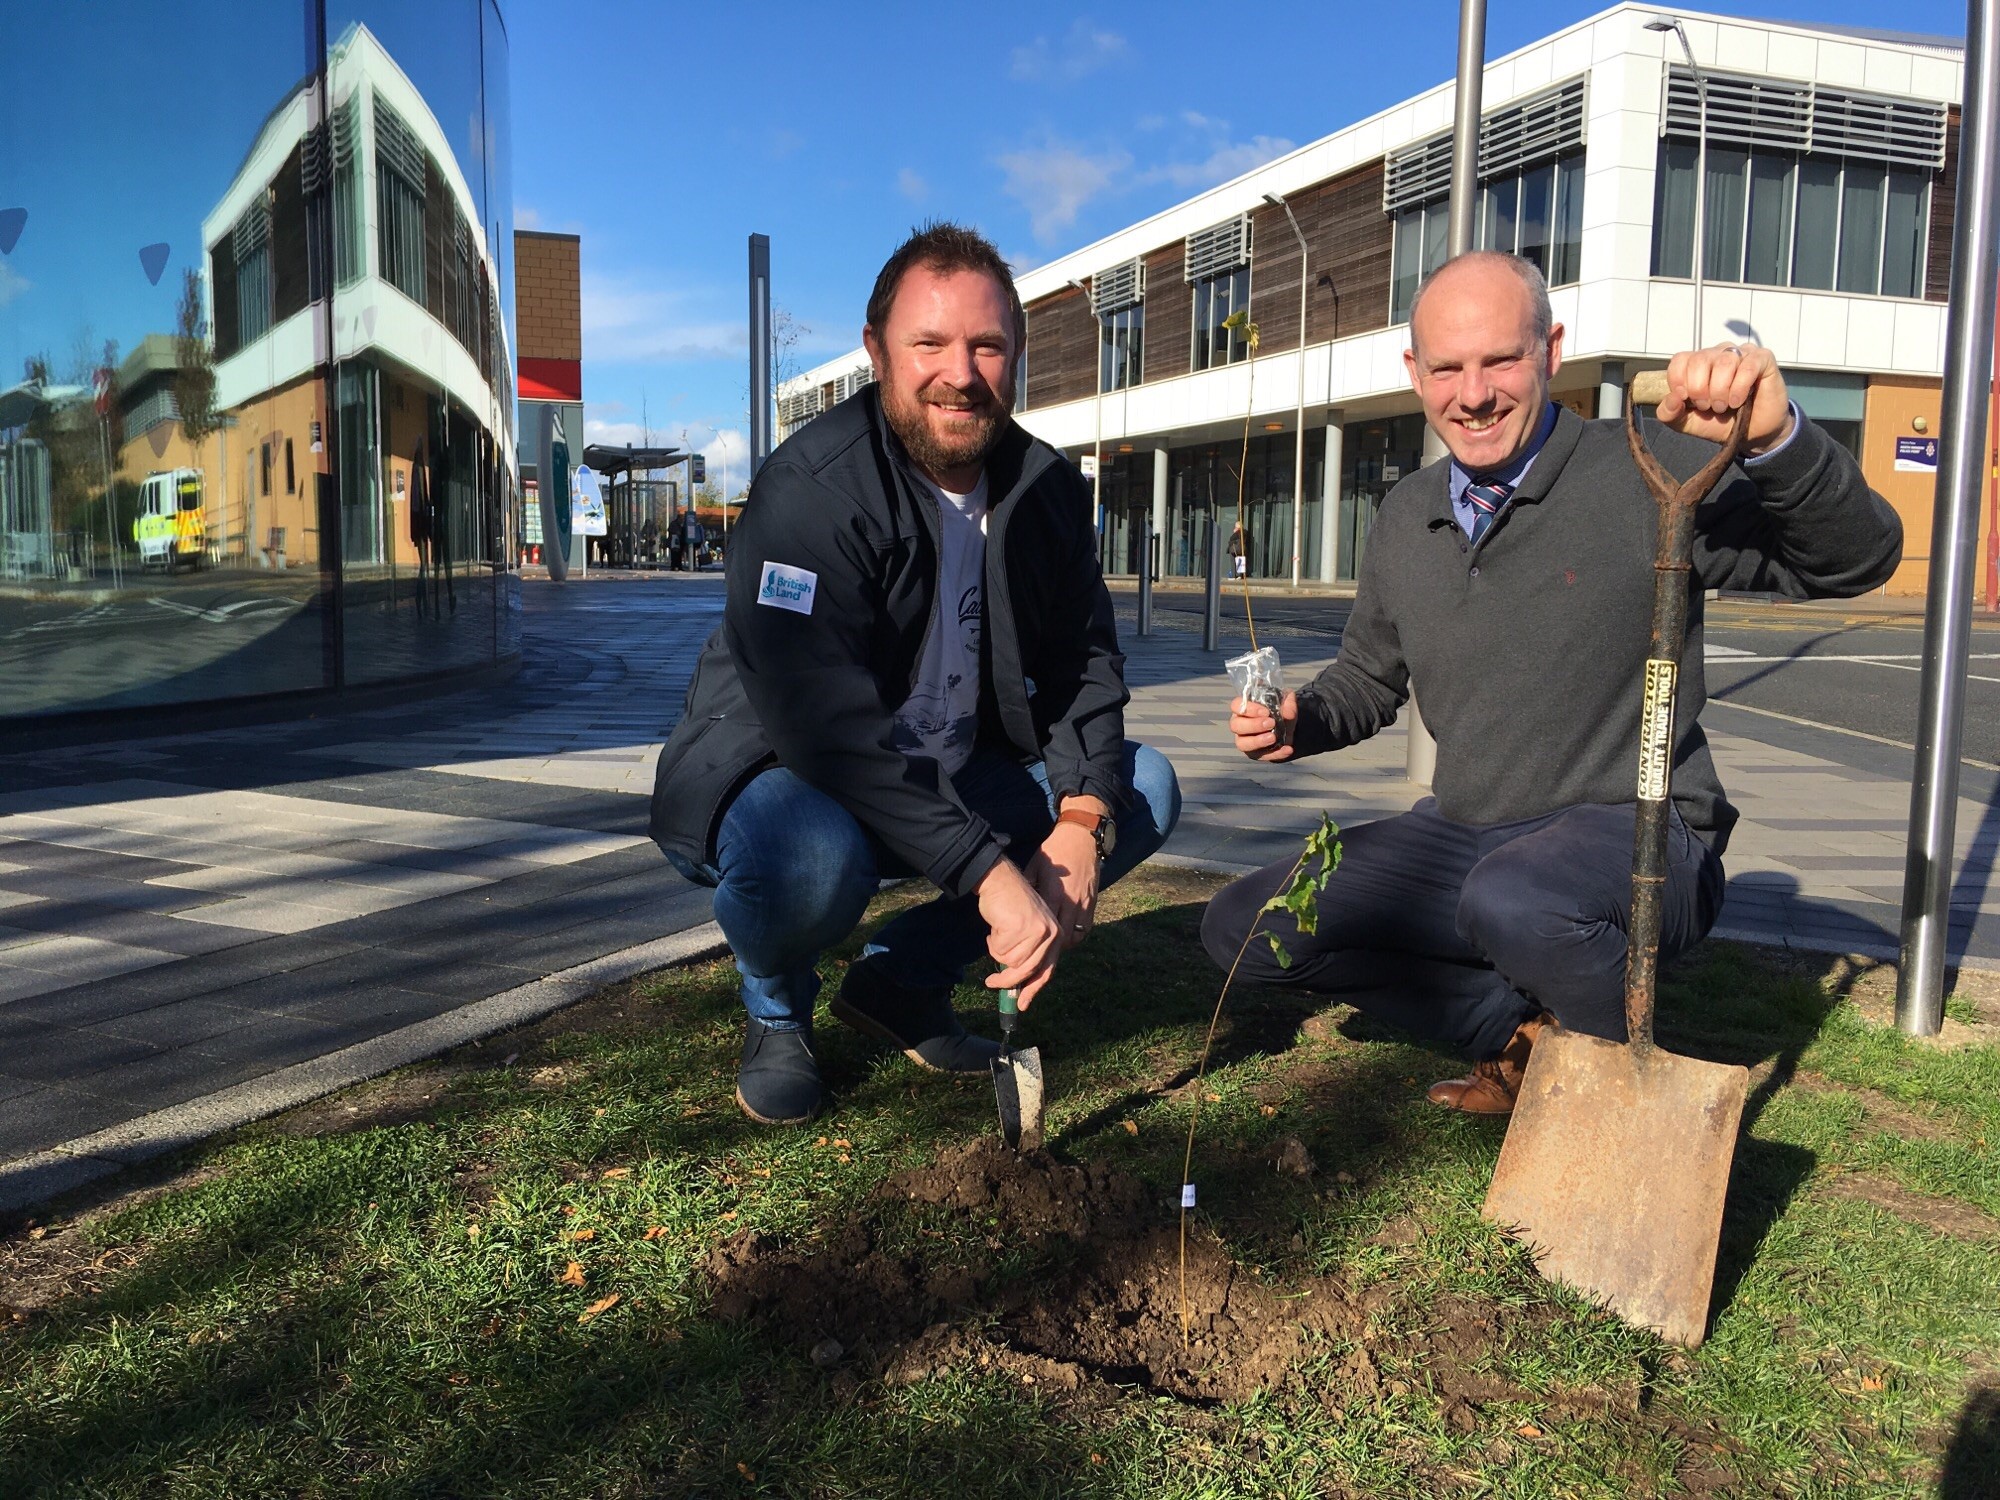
1169	316
1944	215
1350	239
1062	349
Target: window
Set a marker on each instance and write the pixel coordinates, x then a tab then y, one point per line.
348	244
1535	213
1117	296
1530	193
1218	271
1771	218
291	474
1807	185
264	467
1120	335
250	245
399	202
1215	298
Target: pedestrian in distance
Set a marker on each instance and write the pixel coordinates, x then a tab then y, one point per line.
1239	564
916	673
1512	582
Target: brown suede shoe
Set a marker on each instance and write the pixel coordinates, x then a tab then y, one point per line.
1491	1087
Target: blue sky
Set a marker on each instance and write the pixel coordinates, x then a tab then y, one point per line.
665	136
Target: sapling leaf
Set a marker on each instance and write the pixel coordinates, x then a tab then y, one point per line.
1278	950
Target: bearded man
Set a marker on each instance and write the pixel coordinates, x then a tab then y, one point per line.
916	674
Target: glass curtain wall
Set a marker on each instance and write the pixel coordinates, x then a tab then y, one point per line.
1779	218
191	488
1202	491
1374	457
424	354
1535	213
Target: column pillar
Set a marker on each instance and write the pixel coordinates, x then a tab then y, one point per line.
1611	389
1162	482
1329	499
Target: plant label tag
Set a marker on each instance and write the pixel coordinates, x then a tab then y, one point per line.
1187	1195
790	588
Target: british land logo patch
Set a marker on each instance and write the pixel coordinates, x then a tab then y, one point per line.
783	587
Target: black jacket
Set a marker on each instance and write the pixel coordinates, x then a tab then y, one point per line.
815	690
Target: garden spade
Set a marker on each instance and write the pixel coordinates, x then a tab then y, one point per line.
1617	1156
1017	1082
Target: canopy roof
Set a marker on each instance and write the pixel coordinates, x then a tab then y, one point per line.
626	459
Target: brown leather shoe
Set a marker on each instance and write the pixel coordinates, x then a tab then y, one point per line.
1491	1087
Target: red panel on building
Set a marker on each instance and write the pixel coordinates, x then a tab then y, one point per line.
551	379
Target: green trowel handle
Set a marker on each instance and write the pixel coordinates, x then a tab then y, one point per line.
1010	1008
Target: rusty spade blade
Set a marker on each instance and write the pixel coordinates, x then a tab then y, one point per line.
1617	1157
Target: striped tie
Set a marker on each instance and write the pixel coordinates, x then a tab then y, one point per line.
1486	499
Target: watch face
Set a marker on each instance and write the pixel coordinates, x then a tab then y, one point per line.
1107	838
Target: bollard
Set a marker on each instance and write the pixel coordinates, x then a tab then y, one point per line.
1211	617
1146	577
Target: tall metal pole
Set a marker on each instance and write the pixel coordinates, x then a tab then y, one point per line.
760	360
1211	605
1420	760
1968	374
1299	452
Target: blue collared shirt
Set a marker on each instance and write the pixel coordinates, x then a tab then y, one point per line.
1462	509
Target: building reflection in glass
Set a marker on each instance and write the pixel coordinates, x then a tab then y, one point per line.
296	470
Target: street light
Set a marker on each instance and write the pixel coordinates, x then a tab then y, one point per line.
1097	443
1673	24
1299	453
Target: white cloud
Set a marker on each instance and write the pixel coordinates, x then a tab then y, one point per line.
526	217
1054	181
1227	160
1082	51
626	321
912	186
614	434
12	284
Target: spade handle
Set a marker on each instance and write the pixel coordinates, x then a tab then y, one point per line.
1676	502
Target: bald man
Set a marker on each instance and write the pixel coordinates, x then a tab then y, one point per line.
1514	582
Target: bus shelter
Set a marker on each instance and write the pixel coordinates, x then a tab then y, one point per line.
639	508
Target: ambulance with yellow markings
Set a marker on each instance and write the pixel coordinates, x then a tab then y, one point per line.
169	528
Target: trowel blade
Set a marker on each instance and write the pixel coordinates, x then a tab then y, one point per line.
1017	1088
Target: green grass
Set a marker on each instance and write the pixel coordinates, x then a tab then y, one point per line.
372	1303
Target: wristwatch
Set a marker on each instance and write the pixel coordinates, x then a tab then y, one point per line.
1102	829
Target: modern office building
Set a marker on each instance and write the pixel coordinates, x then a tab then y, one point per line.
548	315
1826	208
300	476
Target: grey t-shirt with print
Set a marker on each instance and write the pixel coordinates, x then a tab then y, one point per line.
940	718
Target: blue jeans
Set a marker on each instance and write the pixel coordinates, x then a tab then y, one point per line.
794	871
1458	934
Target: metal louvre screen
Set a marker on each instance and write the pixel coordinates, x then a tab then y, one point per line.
854	380
1219	248
251	231
1783	116
1540	126
806	405
397	146
1119	288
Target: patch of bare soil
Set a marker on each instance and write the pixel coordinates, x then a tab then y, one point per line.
1109	1300
1091	1302
1948	1216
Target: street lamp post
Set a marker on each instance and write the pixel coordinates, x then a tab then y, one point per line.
1299	452
1096	443
1673	24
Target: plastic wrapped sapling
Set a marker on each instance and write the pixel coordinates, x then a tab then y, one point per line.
1258	677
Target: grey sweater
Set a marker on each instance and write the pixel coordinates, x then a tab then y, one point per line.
1527	648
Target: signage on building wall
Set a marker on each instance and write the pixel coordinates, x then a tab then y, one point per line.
1088	463
317	445
1916	455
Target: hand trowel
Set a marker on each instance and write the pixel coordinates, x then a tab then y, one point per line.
1017	1081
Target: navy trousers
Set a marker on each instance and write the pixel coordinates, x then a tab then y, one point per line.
1458	934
